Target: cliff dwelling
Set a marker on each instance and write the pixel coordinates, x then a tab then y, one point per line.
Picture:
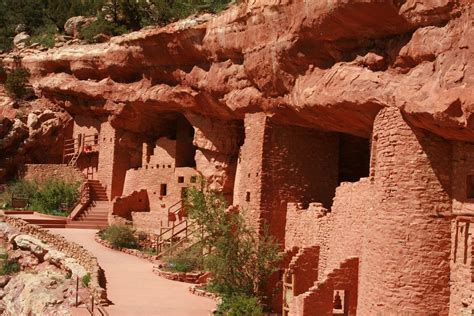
342	129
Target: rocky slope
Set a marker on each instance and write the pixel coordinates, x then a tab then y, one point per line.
325	64
46	272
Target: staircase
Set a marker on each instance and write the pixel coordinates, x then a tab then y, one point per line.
95	216
179	232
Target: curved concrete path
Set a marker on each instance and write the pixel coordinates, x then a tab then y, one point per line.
132	286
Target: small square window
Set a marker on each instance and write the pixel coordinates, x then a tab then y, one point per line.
169	166
470	187
180	179
193	179
247	196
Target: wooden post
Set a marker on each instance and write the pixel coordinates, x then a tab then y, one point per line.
92	304
77	291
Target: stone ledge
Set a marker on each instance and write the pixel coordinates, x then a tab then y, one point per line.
194	289
187	277
75	251
133	252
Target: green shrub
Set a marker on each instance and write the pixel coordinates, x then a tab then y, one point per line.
9	266
239	305
52	195
45	36
85	280
68	275
101	26
120	236
242	259
16	82
187	260
21	188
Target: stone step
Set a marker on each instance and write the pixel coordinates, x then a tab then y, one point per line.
85	225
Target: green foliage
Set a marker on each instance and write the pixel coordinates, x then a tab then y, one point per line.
9	266
21	188
51	196
46	198
45	36
238	305
101	26
85	280
186	260
120	236
241	259
16	82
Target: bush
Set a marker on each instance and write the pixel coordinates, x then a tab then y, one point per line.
52	195
85	280
186	260
45	36
238	305
45	198
101	26
16	82
242	259
9	266
120	236
21	188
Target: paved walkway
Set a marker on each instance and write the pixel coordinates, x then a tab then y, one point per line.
133	288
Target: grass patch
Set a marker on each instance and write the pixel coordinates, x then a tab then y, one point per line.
8	266
85	280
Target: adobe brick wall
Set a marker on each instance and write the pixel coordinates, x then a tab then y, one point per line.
405	261
44	172
462	267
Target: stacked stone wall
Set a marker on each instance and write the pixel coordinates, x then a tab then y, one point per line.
83	257
44	172
405	255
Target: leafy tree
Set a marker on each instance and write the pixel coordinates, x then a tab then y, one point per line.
52	195
241	259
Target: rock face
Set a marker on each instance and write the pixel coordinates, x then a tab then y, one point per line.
46	272
342	127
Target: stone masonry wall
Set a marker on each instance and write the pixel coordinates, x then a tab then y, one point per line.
349	223
299	165
462	267
248	179
83	257
463	178
405	255
43	172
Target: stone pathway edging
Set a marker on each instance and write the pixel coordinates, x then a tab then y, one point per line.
133	252
187	277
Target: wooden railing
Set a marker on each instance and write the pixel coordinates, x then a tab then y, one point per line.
83	201
89	302
74	147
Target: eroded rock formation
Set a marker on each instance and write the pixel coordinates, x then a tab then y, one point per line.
345	126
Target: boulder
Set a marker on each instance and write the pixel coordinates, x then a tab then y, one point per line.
73	26
21	40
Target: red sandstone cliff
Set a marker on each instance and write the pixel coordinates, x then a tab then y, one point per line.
326	64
